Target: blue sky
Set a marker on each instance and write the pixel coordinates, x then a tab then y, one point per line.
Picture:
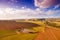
19	9
19	3
25	3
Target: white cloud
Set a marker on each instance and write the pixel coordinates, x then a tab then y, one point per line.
53	14
57	6
10	13
43	3
50	12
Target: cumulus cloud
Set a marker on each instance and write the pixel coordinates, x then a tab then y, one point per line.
50	12
43	3
10	13
56	6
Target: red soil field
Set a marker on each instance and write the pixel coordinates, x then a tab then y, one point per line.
9	25
50	33
13	25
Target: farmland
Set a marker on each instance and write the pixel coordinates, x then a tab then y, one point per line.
48	29
8	29
53	22
51	31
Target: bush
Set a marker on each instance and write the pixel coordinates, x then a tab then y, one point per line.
52	24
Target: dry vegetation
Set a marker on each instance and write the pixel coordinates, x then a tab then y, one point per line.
8	28
53	22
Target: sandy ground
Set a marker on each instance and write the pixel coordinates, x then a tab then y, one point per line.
50	33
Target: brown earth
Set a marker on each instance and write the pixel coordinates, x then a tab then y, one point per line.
12	25
50	33
9	25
